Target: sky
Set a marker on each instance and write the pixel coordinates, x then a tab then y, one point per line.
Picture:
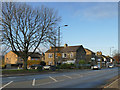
91	24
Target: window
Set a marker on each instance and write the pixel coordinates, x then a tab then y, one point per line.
50	63
64	55
56	55
34	58
50	55
71	55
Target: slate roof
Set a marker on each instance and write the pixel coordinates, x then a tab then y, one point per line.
87	50
64	49
34	55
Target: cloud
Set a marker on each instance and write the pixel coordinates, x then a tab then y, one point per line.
101	10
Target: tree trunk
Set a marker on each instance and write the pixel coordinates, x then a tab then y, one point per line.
25	63
25	59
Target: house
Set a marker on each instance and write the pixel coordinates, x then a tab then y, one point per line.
14	58
90	57
64	54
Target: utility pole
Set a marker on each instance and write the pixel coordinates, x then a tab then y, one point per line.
110	51
59	34
55	51
59	40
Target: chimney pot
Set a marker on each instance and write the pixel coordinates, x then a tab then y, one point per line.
65	45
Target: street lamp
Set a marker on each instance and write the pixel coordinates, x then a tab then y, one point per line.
110	50
59	34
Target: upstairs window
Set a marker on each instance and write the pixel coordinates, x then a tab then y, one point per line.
64	55
50	55
71	55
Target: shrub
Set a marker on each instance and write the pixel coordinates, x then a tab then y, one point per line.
67	66
42	63
82	62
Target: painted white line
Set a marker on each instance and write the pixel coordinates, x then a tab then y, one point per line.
43	83
67	76
6	85
11	77
33	83
111	83
49	83
53	79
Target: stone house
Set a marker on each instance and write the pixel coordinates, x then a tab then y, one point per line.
64	54
15	59
90	56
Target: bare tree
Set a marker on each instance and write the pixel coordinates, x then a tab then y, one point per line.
25	28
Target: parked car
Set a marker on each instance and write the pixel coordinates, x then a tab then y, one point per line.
47	67
95	67
111	66
35	66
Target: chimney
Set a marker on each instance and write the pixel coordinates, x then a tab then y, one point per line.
65	45
50	47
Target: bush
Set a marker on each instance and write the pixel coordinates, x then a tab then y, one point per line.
42	63
67	66
82	62
39	68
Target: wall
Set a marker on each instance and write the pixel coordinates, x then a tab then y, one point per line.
11	58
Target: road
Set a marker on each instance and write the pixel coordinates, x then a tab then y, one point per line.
76	79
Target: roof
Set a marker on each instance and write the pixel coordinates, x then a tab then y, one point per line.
87	50
64	49
34	55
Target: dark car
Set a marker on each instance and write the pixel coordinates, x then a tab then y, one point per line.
35	66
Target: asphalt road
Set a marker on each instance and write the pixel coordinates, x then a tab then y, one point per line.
76	79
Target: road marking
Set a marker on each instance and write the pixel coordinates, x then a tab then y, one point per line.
6	85
48	83
43	83
111	83
53	79
11	77
67	76
33	83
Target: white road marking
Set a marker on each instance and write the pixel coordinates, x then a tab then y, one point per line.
43	83
67	76
48	83
6	85
11	77
111	83
53	79
33	83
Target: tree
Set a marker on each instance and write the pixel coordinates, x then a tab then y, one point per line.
42	63
117	57
25	28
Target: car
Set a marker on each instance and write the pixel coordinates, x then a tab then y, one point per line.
111	66
35	66
95	67
47	67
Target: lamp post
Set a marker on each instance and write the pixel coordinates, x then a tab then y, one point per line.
59	39
110	50
59	34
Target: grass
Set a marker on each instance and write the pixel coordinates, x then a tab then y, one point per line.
19	71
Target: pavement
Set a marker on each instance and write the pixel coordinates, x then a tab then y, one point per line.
71	79
113	83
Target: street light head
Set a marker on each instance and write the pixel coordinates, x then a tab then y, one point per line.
65	25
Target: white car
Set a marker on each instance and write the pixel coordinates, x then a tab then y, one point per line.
95	67
111	66
46	67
